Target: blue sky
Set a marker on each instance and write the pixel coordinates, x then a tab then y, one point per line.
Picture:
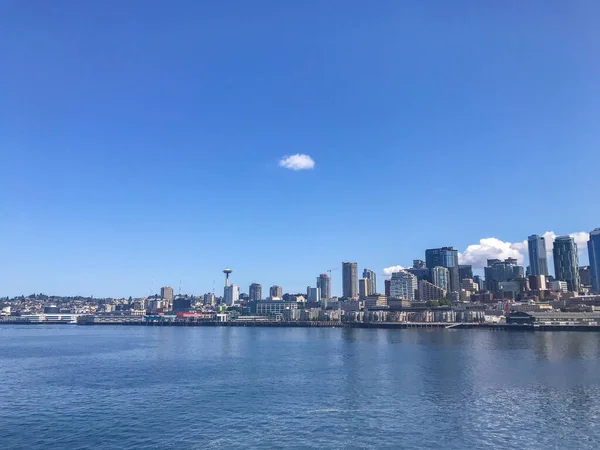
140	141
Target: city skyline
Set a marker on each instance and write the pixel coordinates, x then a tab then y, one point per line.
519	252
175	140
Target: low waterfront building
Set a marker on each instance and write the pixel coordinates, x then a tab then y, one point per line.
554	318
373	301
269	307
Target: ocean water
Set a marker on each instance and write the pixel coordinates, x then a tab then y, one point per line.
166	387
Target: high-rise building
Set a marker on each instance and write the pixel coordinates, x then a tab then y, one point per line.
349	280
480	282
538	261
440	276
403	285
324	284
445	257
499	271
468	284
585	276
419	264
566	262
363	288
594	254
372	281
275	292
314	294
255	292
388	288
419	270
537	282
429	291
232	294
465	272
166	293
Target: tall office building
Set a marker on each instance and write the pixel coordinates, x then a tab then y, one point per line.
231	294
538	261
372	281
349	280
446	257
594	254
363	288
275	292
324	284
166	293
255	292
480	282
465	272
440	276
388	288
403	285
585	276
566	262
314	294
419	264
500	271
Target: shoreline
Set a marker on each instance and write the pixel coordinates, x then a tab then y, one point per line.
363	325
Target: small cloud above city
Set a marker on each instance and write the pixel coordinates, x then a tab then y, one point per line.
388	271
299	161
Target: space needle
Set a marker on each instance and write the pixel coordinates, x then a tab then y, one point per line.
227	272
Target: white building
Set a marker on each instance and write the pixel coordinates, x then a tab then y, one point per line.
559	286
403	285
231	294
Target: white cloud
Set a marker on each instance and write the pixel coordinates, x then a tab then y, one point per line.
297	162
388	271
489	248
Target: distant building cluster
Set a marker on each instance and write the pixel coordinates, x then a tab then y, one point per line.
438	284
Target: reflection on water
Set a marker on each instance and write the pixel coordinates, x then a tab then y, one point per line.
163	387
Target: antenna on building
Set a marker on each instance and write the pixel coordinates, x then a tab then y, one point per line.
179	293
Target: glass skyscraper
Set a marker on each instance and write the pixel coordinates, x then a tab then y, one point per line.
324	284
538	261
566	262
594	253
446	257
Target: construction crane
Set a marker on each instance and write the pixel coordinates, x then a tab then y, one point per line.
331	278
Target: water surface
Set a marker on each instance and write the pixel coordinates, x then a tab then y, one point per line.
167	387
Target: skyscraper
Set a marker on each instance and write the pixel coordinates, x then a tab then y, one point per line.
363	288
349	280
594	253
465	272
440	276
445	257
255	291
275	292
500	271
324	284
566	262
388	288
403	285
166	293
538	262
232	294
372	281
